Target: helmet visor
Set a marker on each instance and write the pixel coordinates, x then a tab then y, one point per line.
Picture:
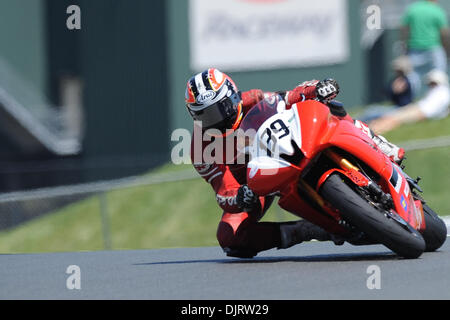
219	113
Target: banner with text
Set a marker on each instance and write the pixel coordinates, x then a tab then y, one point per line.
239	35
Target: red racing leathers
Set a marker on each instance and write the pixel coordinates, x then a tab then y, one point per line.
239	233
227	178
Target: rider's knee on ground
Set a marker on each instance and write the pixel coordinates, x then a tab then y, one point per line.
233	242
247	237
231	236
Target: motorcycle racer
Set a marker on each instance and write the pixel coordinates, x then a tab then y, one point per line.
214	101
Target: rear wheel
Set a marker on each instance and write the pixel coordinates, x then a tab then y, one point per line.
435	232
397	236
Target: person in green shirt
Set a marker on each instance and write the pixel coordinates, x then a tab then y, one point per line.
425	30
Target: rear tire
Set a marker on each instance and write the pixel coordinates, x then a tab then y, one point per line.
435	232
406	242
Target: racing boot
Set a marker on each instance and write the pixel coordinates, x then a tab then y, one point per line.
293	233
394	152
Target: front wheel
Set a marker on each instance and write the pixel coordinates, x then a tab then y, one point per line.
357	211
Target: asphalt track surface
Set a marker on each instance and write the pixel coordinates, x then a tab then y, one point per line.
308	271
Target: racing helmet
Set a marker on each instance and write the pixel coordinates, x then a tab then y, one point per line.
213	98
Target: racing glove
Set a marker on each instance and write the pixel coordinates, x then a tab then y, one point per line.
246	199
327	90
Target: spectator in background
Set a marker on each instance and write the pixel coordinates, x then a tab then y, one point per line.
401	90
434	105
425	30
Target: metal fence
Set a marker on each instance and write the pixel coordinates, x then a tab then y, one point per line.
18	207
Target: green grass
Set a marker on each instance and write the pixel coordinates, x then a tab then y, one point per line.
431	164
172	214
185	213
423	130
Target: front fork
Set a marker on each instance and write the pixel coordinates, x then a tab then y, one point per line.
370	189
353	173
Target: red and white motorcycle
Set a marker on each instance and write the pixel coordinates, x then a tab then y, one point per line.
329	172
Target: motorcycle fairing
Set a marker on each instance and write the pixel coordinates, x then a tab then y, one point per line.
332	132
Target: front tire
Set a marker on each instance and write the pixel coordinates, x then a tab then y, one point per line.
406	242
435	232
